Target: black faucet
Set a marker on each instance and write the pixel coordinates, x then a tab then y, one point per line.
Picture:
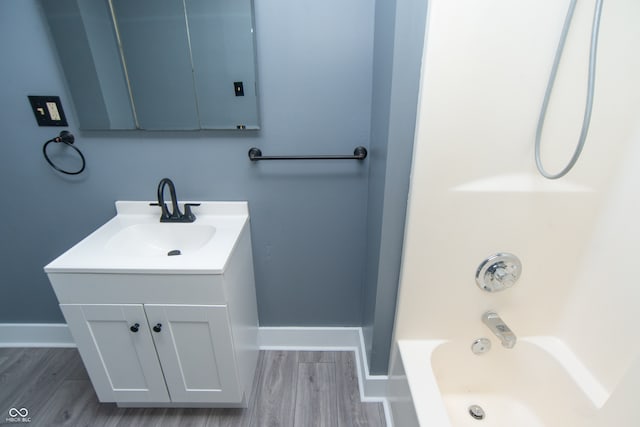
175	215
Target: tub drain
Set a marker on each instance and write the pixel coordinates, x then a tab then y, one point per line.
174	252
476	412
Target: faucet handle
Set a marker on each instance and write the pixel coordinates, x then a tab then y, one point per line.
166	209
498	272
187	207
188	214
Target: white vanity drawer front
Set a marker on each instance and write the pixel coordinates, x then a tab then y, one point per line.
74	288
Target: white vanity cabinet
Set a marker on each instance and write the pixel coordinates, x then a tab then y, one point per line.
180	330
133	350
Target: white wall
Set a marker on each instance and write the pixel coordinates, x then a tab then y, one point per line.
475	190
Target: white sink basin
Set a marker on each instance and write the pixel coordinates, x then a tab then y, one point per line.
160	239
135	241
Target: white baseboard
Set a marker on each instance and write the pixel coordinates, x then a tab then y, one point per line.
35	335
372	387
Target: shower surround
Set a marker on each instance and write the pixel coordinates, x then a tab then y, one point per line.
475	191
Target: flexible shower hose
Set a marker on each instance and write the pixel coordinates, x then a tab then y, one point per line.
590	90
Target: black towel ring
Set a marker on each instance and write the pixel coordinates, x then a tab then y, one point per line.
66	138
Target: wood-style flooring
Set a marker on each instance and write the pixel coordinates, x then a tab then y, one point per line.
291	388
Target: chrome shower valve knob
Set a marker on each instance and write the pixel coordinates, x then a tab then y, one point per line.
498	272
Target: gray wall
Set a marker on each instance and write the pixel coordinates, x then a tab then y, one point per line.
380	109
327	235
399	35
308	220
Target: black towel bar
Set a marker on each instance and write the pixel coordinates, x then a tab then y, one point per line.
358	154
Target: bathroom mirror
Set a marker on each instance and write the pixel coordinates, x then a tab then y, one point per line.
158	64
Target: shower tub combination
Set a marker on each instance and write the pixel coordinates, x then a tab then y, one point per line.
475	191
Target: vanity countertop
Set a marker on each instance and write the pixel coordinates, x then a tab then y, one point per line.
135	242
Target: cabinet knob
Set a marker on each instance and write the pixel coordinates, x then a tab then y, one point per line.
157	328
135	327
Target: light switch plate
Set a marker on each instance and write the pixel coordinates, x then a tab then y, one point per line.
48	110
238	87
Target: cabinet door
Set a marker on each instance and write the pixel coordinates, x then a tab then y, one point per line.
196	352
122	364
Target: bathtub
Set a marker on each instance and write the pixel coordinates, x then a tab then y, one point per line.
539	382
